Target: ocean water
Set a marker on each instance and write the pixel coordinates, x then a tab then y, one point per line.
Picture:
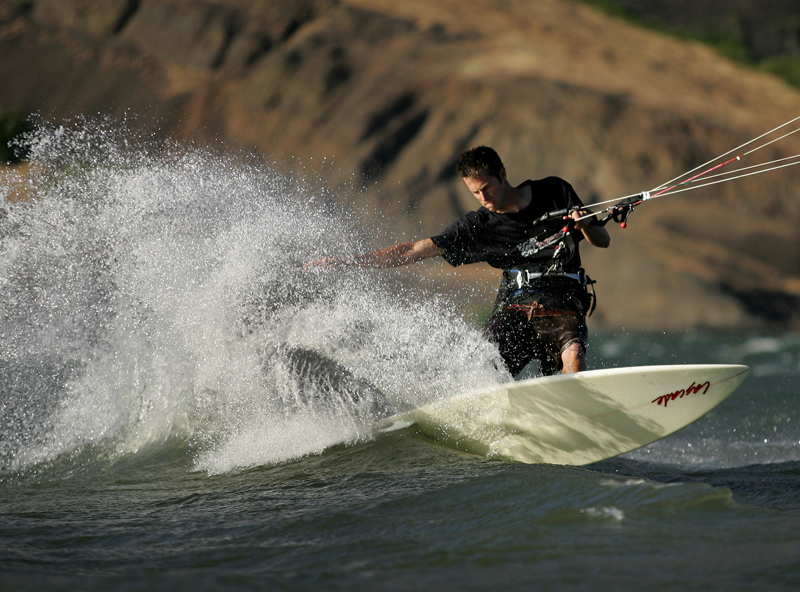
182	408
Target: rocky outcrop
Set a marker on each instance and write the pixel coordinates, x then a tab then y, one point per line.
387	93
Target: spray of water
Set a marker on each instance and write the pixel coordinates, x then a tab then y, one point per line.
153	294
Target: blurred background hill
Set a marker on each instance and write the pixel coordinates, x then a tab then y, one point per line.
764	35
377	97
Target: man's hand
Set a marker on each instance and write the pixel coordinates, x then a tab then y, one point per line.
327	263
596	236
580	221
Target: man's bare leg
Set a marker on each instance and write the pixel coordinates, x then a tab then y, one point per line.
573	359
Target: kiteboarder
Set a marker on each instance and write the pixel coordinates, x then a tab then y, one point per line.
543	300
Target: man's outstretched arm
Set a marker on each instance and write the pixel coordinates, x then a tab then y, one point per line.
394	256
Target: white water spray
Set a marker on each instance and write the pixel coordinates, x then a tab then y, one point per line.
154	294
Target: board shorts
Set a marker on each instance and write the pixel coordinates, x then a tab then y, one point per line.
523	332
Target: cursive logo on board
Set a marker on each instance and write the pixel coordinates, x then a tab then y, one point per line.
692	389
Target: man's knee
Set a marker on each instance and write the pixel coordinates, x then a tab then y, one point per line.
573	358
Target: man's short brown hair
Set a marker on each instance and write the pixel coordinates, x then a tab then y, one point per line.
477	159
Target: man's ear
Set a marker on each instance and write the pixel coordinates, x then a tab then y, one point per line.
503	174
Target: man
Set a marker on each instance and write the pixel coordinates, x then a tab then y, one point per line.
540	311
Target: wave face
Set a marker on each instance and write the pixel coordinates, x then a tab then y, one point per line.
154	298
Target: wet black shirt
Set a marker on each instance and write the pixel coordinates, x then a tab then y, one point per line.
496	238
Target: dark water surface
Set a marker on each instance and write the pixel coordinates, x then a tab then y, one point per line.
402	512
160	431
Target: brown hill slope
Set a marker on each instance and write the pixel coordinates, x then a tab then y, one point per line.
392	91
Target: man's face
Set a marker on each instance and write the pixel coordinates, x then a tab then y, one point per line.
489	190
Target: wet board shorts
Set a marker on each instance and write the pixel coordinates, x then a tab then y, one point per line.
523	332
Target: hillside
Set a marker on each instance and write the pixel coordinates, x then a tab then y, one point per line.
390	92
763	35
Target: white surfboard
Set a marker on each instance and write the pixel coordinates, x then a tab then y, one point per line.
576	419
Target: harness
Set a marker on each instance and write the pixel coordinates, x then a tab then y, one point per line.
552	292
523	276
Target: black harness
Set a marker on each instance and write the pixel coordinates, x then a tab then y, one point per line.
553	288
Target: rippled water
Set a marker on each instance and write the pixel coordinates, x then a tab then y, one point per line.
183	408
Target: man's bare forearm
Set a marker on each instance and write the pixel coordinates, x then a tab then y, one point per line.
393	256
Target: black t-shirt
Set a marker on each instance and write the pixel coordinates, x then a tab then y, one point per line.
496	238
